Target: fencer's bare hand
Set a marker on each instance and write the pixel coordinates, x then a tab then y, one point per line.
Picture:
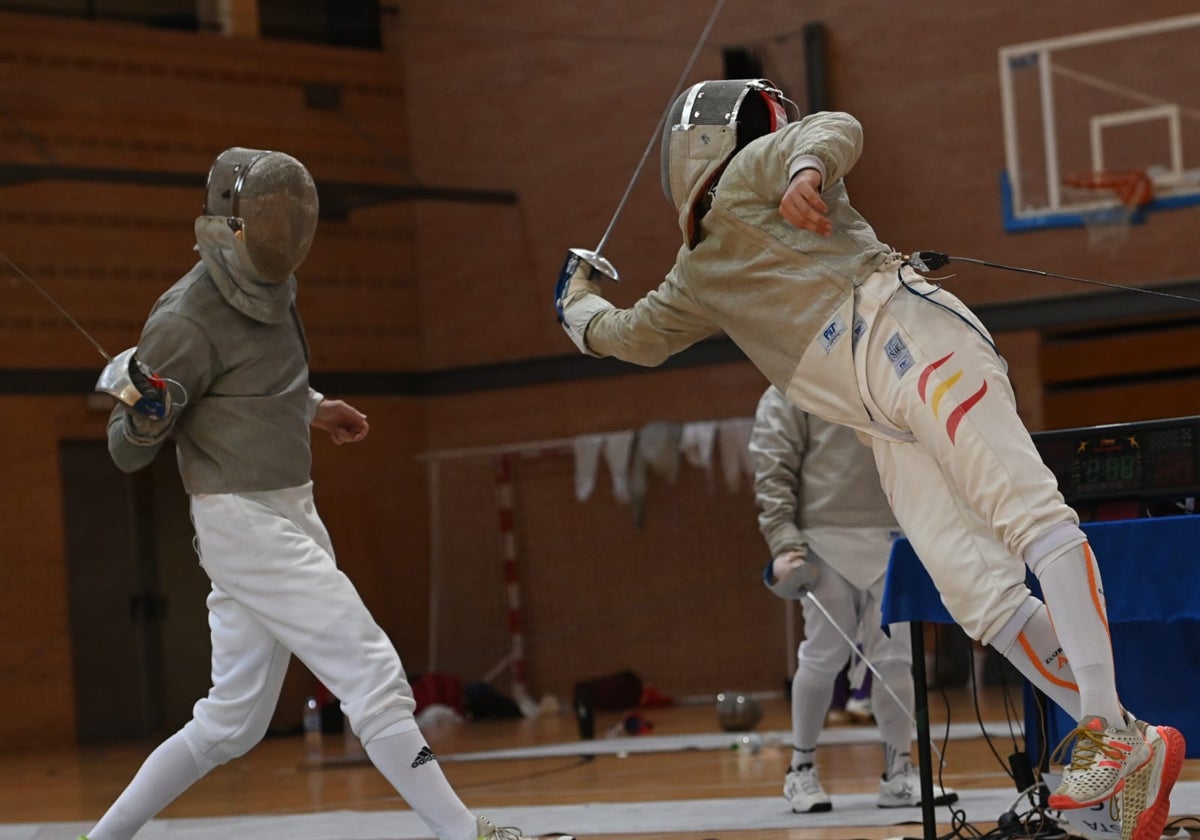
790	575
344	422
788	562
802	204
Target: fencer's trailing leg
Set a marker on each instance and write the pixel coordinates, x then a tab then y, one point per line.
1107	746
1029	642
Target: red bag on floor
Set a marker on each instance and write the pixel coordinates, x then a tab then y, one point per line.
443	689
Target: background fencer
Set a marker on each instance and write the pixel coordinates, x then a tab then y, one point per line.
228	339
776	257
829	529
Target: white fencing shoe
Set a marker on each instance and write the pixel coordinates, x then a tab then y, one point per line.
903	790
803	790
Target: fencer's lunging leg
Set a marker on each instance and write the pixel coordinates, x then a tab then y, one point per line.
165	774
401	754
248	668
1070	579
1029	642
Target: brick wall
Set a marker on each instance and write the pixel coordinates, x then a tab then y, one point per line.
545	108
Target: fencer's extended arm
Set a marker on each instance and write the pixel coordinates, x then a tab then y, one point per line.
178	350
778	441
659	325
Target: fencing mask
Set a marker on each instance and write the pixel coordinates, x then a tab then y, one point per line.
272	200
706	126
260	216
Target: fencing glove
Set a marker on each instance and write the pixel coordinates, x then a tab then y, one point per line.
577	298
791	574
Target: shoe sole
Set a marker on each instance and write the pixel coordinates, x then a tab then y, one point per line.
1150	821
819	808
1066	803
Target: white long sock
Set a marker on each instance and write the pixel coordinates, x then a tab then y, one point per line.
1075	597
812	692
409	764
166	773
894	719
1037	653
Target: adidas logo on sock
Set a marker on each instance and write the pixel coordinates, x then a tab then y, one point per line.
424	757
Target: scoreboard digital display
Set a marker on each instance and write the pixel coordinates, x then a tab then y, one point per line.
1151	459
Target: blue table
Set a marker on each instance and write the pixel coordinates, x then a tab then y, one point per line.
1151	574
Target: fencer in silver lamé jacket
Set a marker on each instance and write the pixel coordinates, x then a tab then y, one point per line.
785	296
810	474
245	424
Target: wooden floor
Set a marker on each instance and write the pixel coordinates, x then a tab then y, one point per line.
79	783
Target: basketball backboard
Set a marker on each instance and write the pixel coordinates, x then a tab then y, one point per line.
1117	100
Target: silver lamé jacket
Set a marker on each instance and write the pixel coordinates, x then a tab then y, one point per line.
785	296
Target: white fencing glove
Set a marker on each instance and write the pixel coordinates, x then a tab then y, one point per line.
577	298
791	574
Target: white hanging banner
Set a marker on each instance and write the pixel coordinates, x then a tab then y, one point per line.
734	436
587	459
618	446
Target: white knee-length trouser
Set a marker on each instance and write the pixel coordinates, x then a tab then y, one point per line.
971	493
276	590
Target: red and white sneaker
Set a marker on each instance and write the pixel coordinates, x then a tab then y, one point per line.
1145	800
1102	758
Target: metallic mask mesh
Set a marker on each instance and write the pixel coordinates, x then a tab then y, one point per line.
713	103
271	199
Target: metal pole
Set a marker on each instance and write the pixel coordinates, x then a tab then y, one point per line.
921	710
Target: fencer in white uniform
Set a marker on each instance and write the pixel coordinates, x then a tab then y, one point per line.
830	530
229	337
775	256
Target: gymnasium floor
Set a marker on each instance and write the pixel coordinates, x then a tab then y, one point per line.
683	781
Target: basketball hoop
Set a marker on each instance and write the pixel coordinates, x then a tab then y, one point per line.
1108	201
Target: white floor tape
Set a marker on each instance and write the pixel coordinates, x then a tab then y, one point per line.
718	741
982	808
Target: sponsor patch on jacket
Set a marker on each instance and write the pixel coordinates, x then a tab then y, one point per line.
834	330
898	355
860	327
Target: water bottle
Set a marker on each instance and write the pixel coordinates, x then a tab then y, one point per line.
312	731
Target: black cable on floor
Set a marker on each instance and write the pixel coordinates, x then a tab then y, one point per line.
550	771
1032	824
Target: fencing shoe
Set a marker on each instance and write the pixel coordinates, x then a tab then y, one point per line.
1145	799
903	790
485	829
803	790
1102	758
